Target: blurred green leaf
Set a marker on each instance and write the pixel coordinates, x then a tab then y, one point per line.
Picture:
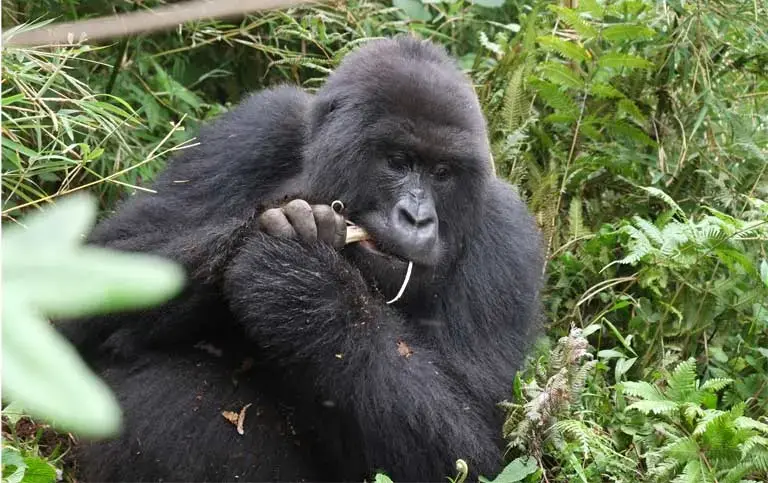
414	9
48	273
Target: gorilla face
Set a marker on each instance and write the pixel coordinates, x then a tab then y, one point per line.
402	143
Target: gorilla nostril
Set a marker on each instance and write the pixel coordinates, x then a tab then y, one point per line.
406	217
412	218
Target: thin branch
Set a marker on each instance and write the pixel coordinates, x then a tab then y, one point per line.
132	23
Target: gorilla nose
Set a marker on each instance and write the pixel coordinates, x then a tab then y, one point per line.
412	216
415	227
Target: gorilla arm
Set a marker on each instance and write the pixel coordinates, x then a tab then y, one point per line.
205	201
314	314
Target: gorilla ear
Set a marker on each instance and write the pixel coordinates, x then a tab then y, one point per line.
321	111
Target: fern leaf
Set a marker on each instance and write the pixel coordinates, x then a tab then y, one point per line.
649	229
574	19
643	390
592	7
569	50
710	419
554	97
622	32
716	384
514	111
561	75
605	91
744	422
627	61
752	443
654	407
575	218
683	382
639	247
657	193
629	108
626	130
681	449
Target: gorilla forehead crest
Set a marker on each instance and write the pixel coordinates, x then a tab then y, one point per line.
406	78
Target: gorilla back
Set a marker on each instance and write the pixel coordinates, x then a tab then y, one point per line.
281	313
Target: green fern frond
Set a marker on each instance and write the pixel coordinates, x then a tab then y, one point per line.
514	110
592	7
561	75
639	246
605	91
759	460
576	219
627	61
681	450
625	31
629	108
744	422
569	50
627	130
554	97
654	407
694	472
649	229
753	443
683	382
575	20
711	418
657	193
716	384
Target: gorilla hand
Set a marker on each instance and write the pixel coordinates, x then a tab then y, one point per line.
299	219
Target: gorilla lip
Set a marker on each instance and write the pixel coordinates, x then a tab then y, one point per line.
357	234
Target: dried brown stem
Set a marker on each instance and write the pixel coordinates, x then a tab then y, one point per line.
356	234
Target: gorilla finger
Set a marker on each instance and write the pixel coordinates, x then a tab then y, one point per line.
326	223
274	222
300	215
340	231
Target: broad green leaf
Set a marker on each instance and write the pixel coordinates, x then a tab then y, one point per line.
515	471
764	271
14	412
489	3
14	466
38	471
413	9
622	366
44	372
381	478
47	272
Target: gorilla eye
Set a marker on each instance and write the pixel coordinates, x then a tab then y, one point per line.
397	162
441	172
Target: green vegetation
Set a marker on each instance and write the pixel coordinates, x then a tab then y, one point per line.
637	130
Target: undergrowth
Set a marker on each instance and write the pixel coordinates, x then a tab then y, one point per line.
636	130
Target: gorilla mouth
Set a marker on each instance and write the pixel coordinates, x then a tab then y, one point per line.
357	234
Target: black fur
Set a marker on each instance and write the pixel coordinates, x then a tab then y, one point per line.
335	394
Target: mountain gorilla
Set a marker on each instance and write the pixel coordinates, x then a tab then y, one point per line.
280	314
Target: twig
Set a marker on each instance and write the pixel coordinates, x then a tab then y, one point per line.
125	24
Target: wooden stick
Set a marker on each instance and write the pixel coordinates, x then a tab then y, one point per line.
356	234
145	21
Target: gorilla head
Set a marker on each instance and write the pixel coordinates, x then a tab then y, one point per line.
399	115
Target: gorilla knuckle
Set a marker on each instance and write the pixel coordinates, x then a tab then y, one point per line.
298	206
